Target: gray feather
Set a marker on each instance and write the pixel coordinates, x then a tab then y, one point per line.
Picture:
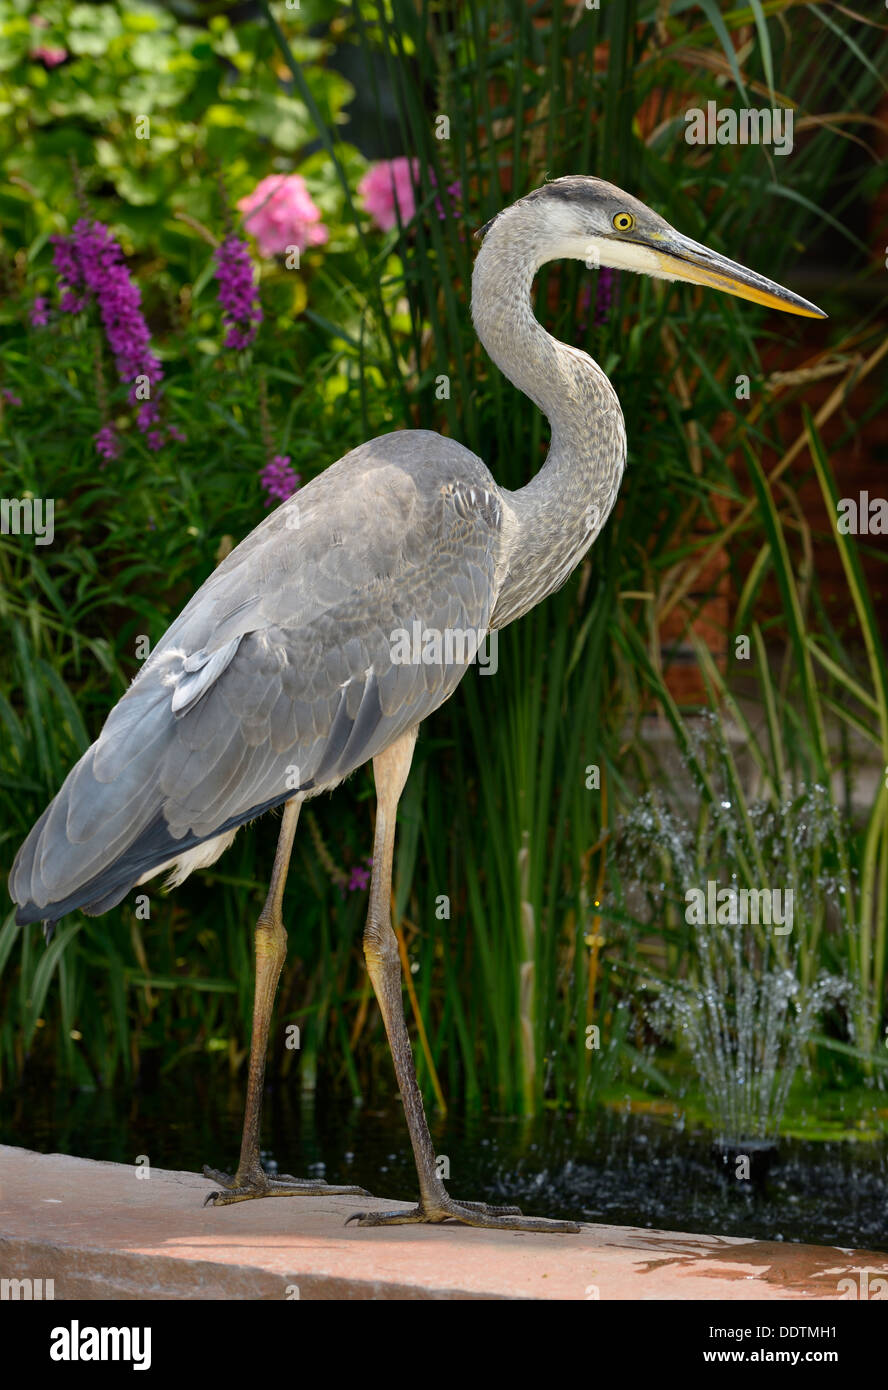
282	661
279	677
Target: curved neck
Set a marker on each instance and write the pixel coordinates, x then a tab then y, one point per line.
562	509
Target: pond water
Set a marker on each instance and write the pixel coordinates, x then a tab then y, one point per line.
615	1167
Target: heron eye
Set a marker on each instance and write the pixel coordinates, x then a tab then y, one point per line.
623	221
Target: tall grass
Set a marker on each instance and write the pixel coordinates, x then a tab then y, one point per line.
501	816
570	677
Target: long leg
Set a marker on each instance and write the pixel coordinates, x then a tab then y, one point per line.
251	1180
390	770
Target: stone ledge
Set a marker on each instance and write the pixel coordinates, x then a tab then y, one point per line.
102	1233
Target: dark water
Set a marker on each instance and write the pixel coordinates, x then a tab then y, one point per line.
613	1167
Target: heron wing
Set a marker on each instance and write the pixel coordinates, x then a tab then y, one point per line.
285	672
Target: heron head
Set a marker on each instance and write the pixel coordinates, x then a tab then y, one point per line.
586	219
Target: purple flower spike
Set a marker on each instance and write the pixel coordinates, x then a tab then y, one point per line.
604	296
279	480
237	292
454	191
40	312
107	444
90	264
148	416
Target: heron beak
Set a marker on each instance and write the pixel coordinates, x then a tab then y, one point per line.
683	259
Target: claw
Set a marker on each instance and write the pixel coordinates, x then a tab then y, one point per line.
261	1185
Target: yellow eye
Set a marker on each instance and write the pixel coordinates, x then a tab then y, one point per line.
623	221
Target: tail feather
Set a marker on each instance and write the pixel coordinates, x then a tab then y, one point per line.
154	849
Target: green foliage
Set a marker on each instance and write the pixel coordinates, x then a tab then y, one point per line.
148	105
539	947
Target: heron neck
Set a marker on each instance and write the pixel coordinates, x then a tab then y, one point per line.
561	510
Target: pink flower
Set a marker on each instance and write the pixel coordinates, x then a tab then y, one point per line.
387	185
280	213
50	55
392	185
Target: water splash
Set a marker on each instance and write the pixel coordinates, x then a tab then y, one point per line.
746	1022
747	1005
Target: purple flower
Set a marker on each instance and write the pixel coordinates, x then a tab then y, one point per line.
604	296
10	397
278	479
107	444
453	190
40	312
148	416
90	265
176	433
360	877
65	260
237	292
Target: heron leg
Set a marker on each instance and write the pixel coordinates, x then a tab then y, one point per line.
435	1205
270	942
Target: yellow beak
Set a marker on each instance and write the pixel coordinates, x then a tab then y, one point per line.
683	259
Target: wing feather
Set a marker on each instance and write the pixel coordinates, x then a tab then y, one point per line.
283	660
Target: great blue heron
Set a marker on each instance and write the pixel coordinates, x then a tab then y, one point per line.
279	679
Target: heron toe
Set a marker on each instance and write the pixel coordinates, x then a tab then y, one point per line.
492	1211
467	1214
237	1188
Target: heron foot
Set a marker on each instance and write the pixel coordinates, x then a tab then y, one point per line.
244	1187
467	1214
